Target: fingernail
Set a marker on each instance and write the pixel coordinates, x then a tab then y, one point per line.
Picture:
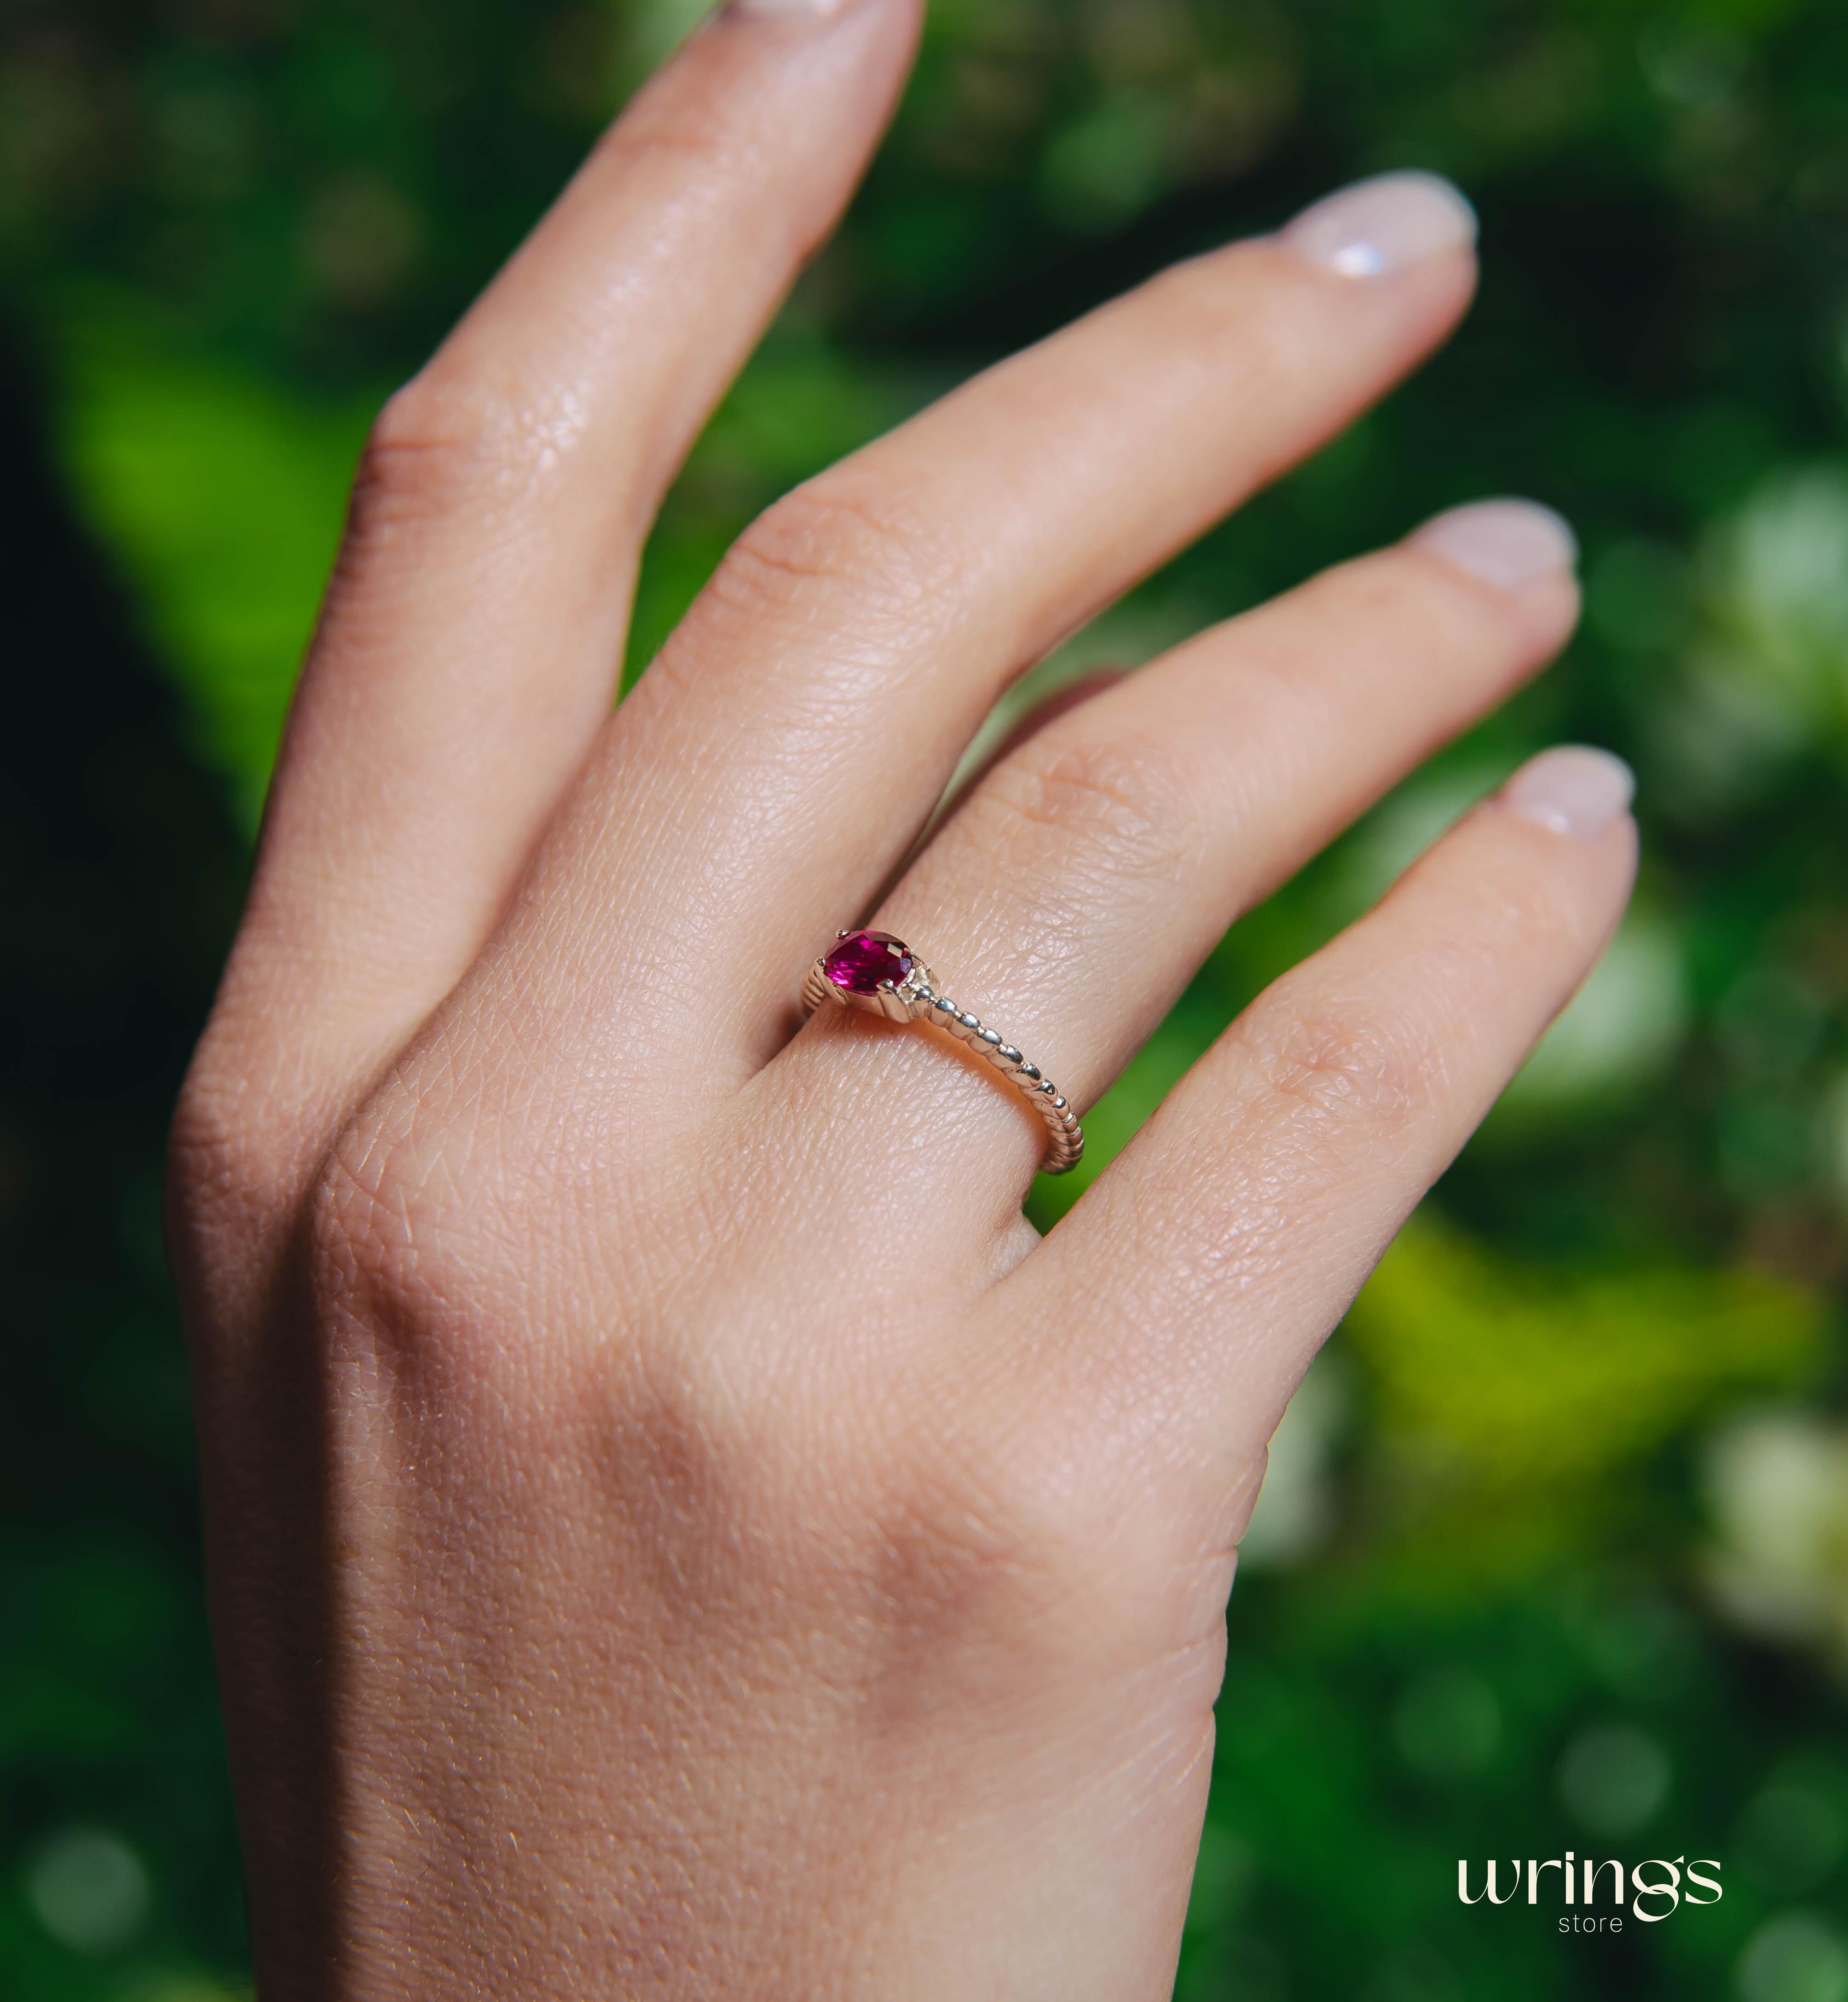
1383	224
1574	790
1507	542
790	10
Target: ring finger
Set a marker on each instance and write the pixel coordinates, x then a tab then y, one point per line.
1079	885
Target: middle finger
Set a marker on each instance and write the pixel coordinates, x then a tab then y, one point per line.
776	761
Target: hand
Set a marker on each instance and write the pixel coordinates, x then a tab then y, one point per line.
674	1528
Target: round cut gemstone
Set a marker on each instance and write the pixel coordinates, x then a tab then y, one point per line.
862	959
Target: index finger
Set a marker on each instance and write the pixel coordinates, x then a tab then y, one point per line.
469	649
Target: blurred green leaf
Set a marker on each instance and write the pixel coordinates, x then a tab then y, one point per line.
1507	1394
223	494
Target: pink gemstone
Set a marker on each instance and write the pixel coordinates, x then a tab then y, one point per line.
863	959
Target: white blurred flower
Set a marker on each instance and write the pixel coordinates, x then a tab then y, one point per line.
1621	1028
1777	1486
1783	568
1724	736
89	1890
1773	655
1398	830
1295	1507
1832	1138
1765	671
1797	1957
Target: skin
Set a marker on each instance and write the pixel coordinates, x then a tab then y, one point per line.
674	1528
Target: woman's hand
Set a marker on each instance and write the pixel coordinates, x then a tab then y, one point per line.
674	1531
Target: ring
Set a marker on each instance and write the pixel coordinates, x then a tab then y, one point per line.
881	974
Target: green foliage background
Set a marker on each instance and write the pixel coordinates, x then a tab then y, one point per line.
1555	1551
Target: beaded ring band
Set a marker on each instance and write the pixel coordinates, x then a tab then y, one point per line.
881	976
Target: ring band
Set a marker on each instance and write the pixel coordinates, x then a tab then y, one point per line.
880	975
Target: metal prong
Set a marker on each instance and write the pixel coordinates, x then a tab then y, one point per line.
917	998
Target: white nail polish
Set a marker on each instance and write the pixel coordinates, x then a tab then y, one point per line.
793	10
1574	790
1511	543
1382	225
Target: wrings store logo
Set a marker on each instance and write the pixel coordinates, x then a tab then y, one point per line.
1656	1889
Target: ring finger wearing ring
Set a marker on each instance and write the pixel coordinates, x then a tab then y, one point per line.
880	974
1076	890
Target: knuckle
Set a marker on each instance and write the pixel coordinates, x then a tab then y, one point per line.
417	1233
1345	1069
356	1230
681	128
1122	805
378	1253
832	534
217	1169
236	1150
442	441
